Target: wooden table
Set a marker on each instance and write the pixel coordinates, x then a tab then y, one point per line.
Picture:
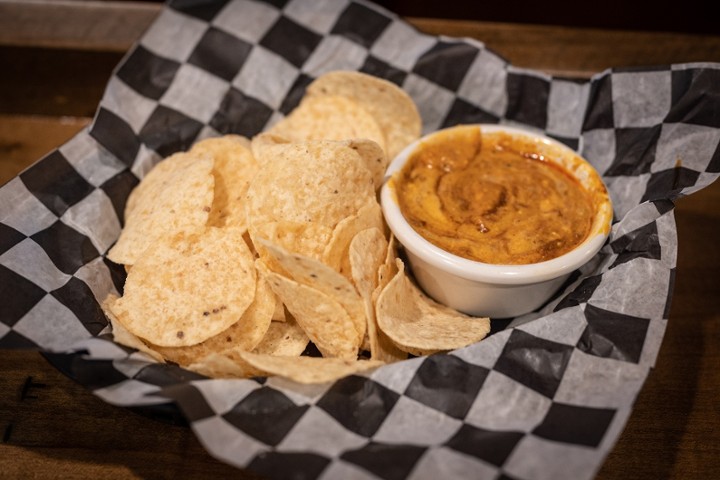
50	427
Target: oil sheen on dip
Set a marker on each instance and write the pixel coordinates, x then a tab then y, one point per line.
492	198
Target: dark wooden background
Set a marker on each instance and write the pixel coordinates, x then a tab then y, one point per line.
690	16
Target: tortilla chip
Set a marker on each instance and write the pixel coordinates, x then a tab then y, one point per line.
368	251
335	254
175	196
247	333
329	117
390	105
189	287
323	318
389	268
266	145
223	365
318	276
121	334
421	326
374	157
319	182
309	370
285	339
234	168
309	239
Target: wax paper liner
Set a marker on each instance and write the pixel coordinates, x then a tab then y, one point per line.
545	396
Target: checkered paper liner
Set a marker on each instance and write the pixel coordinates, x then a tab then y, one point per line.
555	384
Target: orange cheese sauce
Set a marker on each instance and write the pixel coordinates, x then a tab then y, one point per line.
492	199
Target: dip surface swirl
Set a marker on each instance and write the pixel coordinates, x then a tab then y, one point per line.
492	198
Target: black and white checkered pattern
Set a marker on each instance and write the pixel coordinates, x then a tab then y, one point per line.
555	384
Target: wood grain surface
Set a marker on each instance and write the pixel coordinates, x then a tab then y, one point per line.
51	427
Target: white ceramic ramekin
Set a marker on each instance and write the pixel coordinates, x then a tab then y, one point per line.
497	291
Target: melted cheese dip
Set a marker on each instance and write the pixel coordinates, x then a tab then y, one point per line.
492	198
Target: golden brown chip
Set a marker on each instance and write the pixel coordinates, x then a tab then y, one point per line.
391	106
280	314
329	117
323	318
175	196
224	365
335	254
222	145
421	326
234	168
368	251
318	182
189	287
121	334
389	268
374	157
247	333
309	370
309	239
285	338
318	276
265	145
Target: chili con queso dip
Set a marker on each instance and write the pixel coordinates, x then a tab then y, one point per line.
494	197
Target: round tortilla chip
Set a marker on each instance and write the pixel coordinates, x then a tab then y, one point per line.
329	117
175	196
308	370
318	276
309	239
312	182
323	318
335	254
392	107
374	157
284	338
367	253
189	287
247	333
421	326
265	145
121	334
389	268
234	168
224	365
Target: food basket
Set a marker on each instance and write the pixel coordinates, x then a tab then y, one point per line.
558	383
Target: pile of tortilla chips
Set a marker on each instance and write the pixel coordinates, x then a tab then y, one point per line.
241	253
